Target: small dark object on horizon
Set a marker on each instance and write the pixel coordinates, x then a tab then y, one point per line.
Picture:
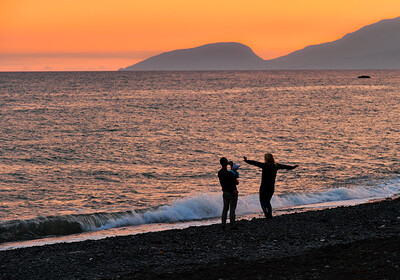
364	77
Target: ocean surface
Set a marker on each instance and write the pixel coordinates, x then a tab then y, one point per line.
85	152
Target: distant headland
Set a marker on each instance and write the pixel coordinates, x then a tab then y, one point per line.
375	46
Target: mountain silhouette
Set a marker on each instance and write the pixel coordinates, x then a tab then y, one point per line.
218	56
375	46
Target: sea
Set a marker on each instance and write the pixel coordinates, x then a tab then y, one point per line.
89	155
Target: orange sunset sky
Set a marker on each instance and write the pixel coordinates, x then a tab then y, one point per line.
64	35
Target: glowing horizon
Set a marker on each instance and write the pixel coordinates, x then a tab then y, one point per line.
98	35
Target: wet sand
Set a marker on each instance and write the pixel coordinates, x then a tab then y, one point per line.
358	242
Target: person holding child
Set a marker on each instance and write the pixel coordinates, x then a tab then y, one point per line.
229	192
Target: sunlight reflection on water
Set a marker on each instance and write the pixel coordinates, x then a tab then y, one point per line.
77	143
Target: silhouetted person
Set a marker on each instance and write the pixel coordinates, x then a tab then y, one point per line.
267	187
230	195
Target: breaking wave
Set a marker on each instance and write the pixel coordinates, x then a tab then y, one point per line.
186	209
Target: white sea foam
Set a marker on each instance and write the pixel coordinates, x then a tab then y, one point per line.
210	205
187	209
199	210
338	195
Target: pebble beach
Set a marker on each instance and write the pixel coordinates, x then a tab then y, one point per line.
355	242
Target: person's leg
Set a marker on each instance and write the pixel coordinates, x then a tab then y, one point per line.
233	204
225	210
263	203
269	206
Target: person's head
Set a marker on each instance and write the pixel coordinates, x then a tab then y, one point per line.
235	166
223	161
269	158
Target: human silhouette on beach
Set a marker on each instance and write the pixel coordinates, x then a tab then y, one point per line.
229	192
267	187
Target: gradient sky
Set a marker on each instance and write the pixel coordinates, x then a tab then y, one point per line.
59	35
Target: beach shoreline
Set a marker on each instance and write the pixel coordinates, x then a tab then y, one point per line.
358	242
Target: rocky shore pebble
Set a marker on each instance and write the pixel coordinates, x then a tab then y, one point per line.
357	242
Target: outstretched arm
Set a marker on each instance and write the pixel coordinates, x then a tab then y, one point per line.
253	162
289	167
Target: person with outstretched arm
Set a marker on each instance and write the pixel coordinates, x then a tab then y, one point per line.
267	187
230	194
